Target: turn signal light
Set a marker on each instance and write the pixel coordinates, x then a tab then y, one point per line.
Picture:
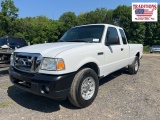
60	65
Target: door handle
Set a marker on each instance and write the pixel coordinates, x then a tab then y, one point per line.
100	53
121	49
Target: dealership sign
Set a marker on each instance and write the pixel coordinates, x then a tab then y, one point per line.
146	12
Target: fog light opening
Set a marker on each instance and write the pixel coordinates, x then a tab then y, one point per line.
45	89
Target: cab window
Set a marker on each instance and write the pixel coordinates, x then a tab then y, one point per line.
123	36
112	36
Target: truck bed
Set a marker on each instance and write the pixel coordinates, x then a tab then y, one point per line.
134	48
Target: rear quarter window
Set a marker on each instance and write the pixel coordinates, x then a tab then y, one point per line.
123	36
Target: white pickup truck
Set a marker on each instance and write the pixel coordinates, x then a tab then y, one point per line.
72	67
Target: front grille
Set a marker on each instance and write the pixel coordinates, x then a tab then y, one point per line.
27	62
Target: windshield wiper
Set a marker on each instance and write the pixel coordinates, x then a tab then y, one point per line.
61	41
75	40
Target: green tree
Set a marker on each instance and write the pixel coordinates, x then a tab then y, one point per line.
9	9
109	17
100	15
97	16
40	29
135	31
36	30
82	19
8	16
152	36
69	19
156	30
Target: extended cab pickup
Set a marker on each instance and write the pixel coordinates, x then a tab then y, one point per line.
73	66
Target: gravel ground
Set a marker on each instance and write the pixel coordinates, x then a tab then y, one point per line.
121	97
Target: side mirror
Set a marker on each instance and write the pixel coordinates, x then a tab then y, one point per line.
112	41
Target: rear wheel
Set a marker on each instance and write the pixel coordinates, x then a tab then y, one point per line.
84	88
133	68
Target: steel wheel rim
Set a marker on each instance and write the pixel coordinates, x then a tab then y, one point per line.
87	88
136	65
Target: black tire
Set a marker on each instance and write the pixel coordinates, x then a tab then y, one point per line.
75	95
132	68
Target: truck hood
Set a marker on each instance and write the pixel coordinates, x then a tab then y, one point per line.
51	49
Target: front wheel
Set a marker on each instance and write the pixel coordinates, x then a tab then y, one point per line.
134	67
84	88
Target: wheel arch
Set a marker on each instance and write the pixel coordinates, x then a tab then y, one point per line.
138	54
91	65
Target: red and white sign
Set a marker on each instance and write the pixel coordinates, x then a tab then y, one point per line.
146	12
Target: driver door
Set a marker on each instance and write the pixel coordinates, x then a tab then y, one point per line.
114	52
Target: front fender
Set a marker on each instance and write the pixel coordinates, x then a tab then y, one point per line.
85	61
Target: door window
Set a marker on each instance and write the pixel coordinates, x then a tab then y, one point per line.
112	36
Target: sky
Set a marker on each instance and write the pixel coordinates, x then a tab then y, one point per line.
55	8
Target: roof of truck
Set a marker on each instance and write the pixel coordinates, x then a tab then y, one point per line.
100	24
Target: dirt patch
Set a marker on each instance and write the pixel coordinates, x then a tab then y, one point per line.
121	97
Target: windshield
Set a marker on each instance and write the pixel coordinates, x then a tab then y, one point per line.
92	33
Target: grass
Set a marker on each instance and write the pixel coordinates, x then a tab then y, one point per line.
146	49
5	104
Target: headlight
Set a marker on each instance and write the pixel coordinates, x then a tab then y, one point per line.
12	60
52	64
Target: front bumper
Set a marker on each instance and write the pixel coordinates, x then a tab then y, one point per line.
5	56
6	51
53	86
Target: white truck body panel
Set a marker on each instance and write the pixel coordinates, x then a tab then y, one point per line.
77	54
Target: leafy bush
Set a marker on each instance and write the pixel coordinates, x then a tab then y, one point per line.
146	49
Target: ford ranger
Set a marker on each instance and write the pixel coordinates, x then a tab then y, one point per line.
72	67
